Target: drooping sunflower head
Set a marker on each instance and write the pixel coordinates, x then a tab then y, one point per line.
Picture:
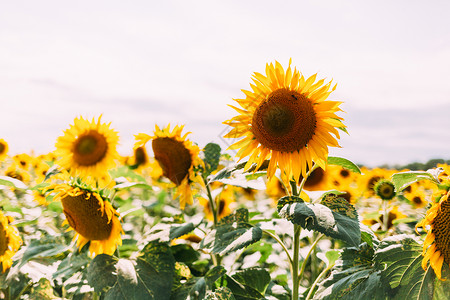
177	157
436	247
88	149
286	118
91	216
10	242
385	189
3	149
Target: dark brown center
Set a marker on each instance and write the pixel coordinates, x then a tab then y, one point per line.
173	157
89	148
3	240
441	229
285	121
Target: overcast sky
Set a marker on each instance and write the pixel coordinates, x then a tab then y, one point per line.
141	63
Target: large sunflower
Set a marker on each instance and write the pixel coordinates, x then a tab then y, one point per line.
286	119
177	157
92	217
436	247
10	242
3	149
88	149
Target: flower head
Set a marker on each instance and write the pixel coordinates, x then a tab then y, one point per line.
10	242
287	120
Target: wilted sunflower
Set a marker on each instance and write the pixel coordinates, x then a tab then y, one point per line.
286	119
3	149
88	148
177	157
436	247
10	241
92	217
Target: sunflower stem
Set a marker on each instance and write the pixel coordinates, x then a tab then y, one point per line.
385	215
313	247
215	257
277	238
295	262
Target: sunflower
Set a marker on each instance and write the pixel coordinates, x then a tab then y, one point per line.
286	119
436	247
88	149
3	149
92	217
384	189
177	157
10	241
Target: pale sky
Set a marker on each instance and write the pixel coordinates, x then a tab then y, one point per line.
141	63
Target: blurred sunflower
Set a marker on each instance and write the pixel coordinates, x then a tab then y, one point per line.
10	241
23	160
92	217
223	203
177	157
286	119
88	149
436	247
385	189
3	149
318	180
15	171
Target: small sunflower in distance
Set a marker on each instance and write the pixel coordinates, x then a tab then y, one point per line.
88	149
436	247
177	157
3	149
10	242
286	119
92	217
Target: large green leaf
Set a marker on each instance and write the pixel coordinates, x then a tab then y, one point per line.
166	232
400	257
343	162
353	277
39	249
404	179
212	157
12	182
333	221
222	293
232	233
236	176
150	276
256	278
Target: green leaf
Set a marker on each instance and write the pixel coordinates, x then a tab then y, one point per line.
212	157
368	236
128	185
42	249
404	179
345	163
42	290
338	223
150	276
12	182
400	257
353	277
196	288
53	170
166	232
255	278
242	291
232	233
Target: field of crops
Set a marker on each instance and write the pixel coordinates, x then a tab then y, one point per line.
272	217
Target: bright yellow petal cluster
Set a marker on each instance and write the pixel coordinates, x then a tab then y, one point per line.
436	247
287	120
178	168
88	149
10	241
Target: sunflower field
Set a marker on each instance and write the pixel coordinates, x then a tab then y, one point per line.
274	216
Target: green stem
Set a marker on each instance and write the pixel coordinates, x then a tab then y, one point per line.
385	215
295	262
313	246
215	257
277	238
317	281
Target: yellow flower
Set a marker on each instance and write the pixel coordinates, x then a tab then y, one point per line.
92	217
177	157
3	149
436	247
223	203
15	171
23	160
88	149
286	119
10	242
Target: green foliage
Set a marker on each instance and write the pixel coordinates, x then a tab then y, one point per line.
165	232
248	284
212	157
232	233
345	163
337	223
150	276
404	179
12	182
